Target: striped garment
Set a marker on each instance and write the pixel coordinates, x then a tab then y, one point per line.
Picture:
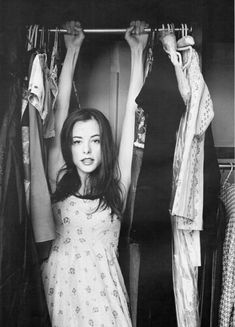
227	308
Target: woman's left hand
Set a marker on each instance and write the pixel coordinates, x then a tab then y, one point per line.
135	35
74	36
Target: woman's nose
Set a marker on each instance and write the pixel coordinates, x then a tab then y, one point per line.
86	147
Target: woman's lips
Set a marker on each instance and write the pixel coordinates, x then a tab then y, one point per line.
87	161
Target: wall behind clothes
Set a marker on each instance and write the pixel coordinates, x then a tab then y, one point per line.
219	74
218	68
102	79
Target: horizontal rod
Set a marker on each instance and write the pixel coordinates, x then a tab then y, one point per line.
115	30
227	165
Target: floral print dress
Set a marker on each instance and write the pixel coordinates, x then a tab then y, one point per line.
82	278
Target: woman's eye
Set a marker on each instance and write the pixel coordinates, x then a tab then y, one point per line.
97	141
76	142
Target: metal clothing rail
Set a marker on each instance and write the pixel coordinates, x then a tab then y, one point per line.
227	165
184	28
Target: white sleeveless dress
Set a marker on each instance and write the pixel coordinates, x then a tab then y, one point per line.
82	279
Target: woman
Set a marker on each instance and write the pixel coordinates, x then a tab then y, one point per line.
82	279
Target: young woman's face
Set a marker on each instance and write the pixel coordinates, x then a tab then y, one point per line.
86	148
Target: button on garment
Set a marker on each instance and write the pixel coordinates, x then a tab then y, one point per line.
82	279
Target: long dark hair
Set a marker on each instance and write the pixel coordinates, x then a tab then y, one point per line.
104	182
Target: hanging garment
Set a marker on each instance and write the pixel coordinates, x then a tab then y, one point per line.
36	85
216	286
187	192
227	302
82	278
22	299
25	145
208	236
51	90
151	227
41	212
43	90
40	94
211	273
25	127
187	196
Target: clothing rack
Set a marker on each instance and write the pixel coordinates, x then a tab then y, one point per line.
227	165
168	27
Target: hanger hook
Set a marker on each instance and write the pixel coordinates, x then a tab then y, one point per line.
229	174
36	36
182	30
41	42
48	39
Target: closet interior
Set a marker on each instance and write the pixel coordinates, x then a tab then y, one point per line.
183	279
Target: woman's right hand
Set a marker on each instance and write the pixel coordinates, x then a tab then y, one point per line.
135	35
74	36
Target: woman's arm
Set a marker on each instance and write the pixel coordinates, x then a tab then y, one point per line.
73	41
137	43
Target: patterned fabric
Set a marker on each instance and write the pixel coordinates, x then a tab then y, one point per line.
187	196
227	306
82	279
187	189
51	90
140	128
185	278
26	163
36	85
40	202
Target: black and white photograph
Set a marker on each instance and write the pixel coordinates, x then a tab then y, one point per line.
117	183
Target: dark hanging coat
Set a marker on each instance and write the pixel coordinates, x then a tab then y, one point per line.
22	299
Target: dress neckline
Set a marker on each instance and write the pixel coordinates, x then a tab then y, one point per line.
87	197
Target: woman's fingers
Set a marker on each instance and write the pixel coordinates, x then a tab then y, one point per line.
73	27
138	26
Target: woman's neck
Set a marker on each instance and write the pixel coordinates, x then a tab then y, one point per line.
84	189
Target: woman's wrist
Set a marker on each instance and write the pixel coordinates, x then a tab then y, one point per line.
73	49
137	52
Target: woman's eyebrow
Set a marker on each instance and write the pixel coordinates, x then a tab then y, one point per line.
95	135
77	137
80	137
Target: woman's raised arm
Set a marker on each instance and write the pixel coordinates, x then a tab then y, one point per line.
73	41
137	40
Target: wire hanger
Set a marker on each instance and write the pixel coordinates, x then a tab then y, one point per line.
229	174
32	37
42	40
36	36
